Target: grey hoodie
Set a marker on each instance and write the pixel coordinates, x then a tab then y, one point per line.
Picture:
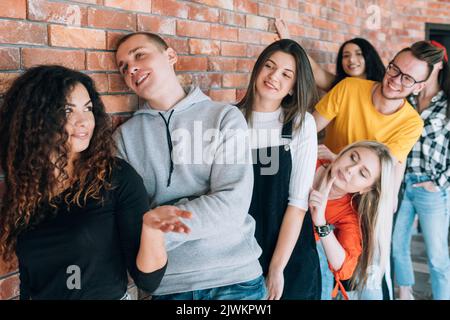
221	248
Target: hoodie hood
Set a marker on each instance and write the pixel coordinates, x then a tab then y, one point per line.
195	95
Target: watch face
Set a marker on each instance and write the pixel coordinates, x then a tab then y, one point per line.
324	230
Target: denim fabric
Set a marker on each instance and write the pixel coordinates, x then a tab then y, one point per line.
432	209
327	275
366	294
372	291
249	290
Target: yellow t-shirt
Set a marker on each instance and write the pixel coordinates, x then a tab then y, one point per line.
349	105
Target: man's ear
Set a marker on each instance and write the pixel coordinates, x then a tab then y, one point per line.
419	87
172	54
439	65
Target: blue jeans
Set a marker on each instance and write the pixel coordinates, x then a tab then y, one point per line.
249	290
366	294
432	209
328	282
327	275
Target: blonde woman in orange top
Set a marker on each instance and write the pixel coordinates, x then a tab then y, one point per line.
350	205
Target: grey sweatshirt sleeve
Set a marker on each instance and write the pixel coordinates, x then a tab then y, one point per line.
231	184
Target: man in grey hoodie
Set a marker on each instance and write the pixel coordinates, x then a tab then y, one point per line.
191	152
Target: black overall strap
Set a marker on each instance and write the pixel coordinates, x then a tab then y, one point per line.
286	132
269	203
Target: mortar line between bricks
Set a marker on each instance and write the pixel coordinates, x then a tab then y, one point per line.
95	6
9	275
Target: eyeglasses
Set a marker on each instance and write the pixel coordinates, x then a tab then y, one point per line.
407	81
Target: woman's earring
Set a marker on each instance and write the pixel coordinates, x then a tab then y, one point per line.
291	93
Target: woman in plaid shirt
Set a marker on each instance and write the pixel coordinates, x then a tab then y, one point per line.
427	181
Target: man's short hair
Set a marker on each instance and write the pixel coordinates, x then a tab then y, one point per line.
152	37
426	52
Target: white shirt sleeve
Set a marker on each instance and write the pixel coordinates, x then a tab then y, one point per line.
304	158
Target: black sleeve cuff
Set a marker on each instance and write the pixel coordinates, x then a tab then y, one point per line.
149	282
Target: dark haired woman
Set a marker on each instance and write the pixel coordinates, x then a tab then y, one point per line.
284	143
356	58
75	215
427	180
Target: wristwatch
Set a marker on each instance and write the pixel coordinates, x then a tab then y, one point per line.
324	230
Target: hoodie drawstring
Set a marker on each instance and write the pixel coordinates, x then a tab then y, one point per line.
169	143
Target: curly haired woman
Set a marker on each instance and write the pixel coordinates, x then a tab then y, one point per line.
76	216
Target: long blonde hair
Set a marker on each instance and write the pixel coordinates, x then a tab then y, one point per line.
375	209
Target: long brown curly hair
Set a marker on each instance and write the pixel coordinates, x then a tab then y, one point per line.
33	146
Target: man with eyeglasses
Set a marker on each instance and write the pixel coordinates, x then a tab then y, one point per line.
357	109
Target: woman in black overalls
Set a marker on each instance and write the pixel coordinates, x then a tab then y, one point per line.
284	143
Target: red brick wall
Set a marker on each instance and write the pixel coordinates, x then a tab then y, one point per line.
217	40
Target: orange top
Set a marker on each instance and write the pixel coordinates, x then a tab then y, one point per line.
344	217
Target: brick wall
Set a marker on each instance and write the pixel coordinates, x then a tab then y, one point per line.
217	40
